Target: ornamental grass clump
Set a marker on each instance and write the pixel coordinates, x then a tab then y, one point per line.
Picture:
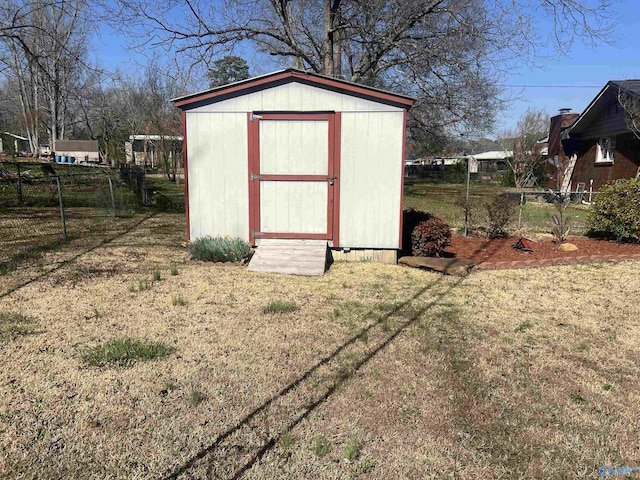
430	238
219	249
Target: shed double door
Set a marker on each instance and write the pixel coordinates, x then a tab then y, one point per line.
292	175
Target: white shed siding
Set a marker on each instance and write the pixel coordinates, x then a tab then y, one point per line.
370	182
294	147
218	169
293	207
295	97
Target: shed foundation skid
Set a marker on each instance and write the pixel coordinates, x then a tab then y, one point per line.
365	255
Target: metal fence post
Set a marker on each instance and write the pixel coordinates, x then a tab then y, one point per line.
113	201
19	183
64	224
466	209
143	186
521	207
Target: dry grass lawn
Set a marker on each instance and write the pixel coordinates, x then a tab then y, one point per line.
381	372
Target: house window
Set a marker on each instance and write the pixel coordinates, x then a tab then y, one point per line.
606	149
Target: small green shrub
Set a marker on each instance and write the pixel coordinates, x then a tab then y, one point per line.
174	269
156	276
410	220
616	212
560	228
456	173
219	249
430	238
14	325
500	211
278	306
123	352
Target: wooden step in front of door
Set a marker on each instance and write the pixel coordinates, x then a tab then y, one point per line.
294	257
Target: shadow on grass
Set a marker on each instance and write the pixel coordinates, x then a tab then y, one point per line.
68	261
236	450
486	423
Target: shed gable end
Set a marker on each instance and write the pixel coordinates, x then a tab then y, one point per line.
295	97
246	87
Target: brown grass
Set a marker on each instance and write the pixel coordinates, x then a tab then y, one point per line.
396	373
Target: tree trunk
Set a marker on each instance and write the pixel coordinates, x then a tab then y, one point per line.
328	39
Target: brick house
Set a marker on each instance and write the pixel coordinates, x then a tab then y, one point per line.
597	147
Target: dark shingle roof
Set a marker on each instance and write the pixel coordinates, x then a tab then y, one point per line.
630	86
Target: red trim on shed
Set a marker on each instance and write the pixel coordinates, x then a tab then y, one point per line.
337	138
270	177
255	176
254	187
291	75
186	173
404	151
302	236
295	116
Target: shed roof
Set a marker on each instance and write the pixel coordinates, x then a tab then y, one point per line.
287	76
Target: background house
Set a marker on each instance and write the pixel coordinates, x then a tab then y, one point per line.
148	150
295	155
13	144
81	150
489	162
599	146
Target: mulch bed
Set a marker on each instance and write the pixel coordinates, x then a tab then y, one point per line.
500	254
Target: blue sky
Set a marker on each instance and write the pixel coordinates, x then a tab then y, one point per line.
582	66
572	80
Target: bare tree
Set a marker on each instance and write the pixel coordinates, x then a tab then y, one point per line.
160	118
450	54
524	142
43	46
630	104
139	104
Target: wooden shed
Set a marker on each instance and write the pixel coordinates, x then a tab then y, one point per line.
296	155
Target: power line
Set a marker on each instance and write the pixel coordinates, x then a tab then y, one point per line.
549	86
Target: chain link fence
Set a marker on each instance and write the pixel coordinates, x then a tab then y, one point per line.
43	204
531	212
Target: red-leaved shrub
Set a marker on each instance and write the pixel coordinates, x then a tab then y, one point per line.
430	238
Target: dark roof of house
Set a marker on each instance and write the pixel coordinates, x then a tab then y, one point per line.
287	76
629	86
607	94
